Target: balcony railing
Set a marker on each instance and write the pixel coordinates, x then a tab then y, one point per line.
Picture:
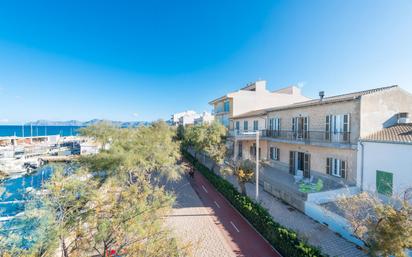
244	133
309	136
302	136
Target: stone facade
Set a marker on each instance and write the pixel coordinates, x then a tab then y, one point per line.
365	112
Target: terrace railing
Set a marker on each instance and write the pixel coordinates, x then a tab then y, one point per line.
302	136
309	136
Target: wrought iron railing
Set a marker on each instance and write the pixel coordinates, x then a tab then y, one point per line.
309	136
302	135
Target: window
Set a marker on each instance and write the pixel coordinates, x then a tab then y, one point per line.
219	107
337	127
226	107
299	162
274	153
245	125
252	152
274	124
274	127
384	182
224	119
300	127
237	126
336	167
255	125
240	150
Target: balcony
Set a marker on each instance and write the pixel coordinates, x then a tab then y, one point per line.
309	137
244	133
304	137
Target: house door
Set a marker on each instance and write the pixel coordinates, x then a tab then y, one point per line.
336	127
299	162
252	152
384	182
300	127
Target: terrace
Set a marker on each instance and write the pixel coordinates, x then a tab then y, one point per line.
278	182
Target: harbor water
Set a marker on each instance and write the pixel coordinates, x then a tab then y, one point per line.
15	191
27	130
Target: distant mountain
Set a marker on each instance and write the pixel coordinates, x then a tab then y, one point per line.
87	123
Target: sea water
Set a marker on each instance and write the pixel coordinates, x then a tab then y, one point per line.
27	130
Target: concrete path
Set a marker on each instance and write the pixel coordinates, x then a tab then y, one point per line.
309	230
203	218
193	223
241	236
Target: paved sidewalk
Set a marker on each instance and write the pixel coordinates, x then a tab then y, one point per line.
236	230
313	232
193	224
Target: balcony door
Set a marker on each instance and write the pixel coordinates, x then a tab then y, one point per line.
299	162
252	152
337	128
300	127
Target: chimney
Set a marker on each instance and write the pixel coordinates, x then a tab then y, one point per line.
321	95
403	117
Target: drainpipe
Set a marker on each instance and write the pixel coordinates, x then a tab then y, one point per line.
362	163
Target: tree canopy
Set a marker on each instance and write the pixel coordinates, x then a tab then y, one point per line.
385	226
112	203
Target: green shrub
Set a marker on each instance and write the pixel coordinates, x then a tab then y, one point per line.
284	240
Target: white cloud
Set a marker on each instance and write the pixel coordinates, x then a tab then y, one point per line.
135	114
4	120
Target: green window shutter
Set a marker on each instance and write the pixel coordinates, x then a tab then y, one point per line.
306	127
277	154
384	182
292	162
343	172
328	165
346	127
327	127
306	166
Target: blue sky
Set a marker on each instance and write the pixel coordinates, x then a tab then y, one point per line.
143	60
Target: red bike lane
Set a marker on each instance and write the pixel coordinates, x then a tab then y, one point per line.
240	235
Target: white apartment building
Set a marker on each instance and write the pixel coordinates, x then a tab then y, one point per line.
177	118
191	117
385	159
205	118
253	96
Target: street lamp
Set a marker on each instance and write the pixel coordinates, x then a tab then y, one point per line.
257	160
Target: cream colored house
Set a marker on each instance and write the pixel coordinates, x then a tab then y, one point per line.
254	96
318	137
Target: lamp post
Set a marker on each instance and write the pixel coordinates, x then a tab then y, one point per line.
257	166
257	160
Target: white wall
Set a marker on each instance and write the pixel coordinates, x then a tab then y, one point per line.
394	158
334	222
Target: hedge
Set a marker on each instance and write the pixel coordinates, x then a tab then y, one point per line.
282	239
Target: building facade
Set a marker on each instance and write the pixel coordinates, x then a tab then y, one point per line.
381	174
190	118
254	96
205	118
318	137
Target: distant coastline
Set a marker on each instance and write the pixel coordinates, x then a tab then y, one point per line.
62	128
85	123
